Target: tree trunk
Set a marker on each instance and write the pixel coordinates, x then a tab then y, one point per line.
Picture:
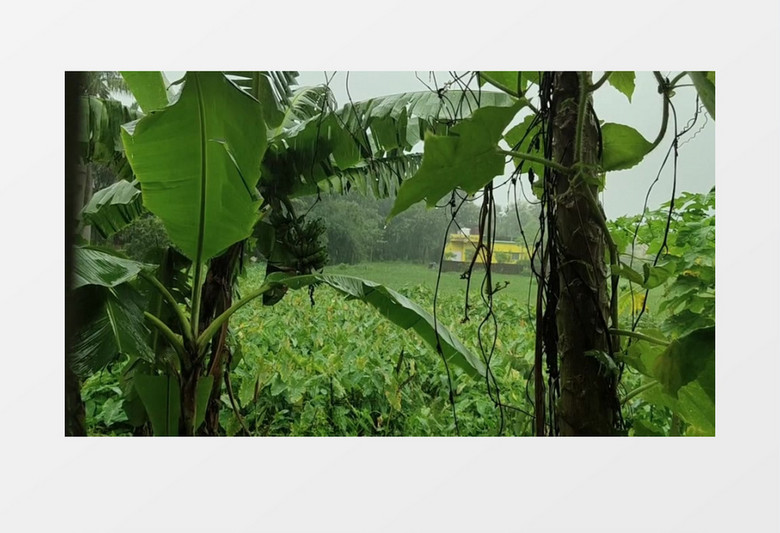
588	404
74	406
189	400
218	297
75	416
84	186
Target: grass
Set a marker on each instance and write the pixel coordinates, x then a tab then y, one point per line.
400	276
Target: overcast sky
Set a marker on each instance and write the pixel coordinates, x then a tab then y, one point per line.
625	190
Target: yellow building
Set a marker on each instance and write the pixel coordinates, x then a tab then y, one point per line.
460	248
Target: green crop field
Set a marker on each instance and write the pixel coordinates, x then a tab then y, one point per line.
337	367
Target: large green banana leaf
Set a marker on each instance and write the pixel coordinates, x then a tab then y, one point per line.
92	266
401	120
364	145
305	103
99	136
150	89
111	319
705	86
111	209
273	89
198	162
112	324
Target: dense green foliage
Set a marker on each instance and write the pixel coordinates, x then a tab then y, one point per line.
156	341
680	289
332	369
347	376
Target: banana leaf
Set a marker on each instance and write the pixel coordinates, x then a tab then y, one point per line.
198	162
112	324
113	208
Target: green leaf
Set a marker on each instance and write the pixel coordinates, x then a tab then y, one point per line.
148	88
112	324
278	386
113	208
362	144
623	82
705	86
628	273
111	412
198	161
273	89
644	428
396	308
305	103
657	275
693	405
100	132
429	111
624	147
467	159
685	359
96	267
503	80
160	396
202	393
521	138
516	82
642	355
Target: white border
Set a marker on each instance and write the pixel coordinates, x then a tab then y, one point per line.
727	483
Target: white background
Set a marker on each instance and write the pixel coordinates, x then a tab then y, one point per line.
725	483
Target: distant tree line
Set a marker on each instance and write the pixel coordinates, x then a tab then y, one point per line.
357	230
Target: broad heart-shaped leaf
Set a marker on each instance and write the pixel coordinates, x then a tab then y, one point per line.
624	147
112	324
641	354
705	86
150	89
685	359
623	81
693	404
198	161
96	267
111	209
398	309
467	159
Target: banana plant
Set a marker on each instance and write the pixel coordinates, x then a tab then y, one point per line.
206	160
